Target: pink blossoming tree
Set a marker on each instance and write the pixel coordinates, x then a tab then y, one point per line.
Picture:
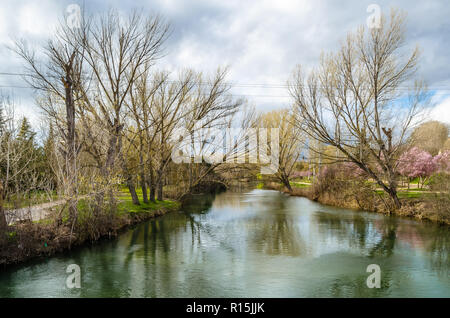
442	162
417	163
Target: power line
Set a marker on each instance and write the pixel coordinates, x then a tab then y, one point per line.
232	95
440	91
255	85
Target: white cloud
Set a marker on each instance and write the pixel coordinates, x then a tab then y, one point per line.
261	41
441	111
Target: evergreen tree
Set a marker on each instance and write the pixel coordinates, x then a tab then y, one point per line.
26	133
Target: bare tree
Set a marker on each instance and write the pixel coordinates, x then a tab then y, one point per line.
290	143
353	101
159	106
117	51
211	107
218	149
142	99
59	76
3	223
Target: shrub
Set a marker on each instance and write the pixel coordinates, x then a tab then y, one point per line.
336	185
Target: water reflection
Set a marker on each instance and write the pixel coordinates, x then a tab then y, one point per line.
254	244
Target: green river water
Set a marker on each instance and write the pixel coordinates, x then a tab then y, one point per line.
255	243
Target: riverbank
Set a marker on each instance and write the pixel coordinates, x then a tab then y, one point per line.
250	243
431	209
27	239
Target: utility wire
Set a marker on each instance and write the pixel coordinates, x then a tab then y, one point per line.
256	85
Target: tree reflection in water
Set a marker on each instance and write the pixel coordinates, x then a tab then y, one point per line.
254	244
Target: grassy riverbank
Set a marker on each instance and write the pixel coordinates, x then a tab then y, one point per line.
28	239
418	204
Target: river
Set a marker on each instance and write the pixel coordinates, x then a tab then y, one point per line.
255	243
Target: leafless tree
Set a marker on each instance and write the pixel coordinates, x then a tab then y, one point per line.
290	143
117	52
353	101
160	106
59	77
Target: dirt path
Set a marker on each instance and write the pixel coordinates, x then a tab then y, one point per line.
35	212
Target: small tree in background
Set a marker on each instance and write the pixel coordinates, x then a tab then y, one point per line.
430	136
417	163
442	162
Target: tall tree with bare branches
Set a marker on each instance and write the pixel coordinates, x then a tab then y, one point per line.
355	102
117	52
290	142
59	76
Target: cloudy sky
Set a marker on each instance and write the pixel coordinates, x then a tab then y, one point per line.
261	41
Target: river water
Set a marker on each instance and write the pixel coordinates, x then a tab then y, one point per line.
256	243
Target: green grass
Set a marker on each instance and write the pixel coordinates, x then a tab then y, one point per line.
412	194
416	190
300	185
124	206
126	203
44	221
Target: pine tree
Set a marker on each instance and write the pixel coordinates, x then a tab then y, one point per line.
50	141
26	134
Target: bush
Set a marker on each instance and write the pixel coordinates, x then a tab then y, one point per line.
338	185
440	182
441	202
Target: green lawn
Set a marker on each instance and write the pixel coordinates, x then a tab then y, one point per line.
126	203
412	194
300	184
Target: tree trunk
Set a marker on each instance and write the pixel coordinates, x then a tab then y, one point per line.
114	147
287	183
99	201
151	185
142	174
70	152
393	194
3	223
134	196
152	193
72	210
143	183
159	181
144	189
129	182
160	191
391	189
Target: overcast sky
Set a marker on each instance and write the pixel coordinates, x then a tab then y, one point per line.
261	41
